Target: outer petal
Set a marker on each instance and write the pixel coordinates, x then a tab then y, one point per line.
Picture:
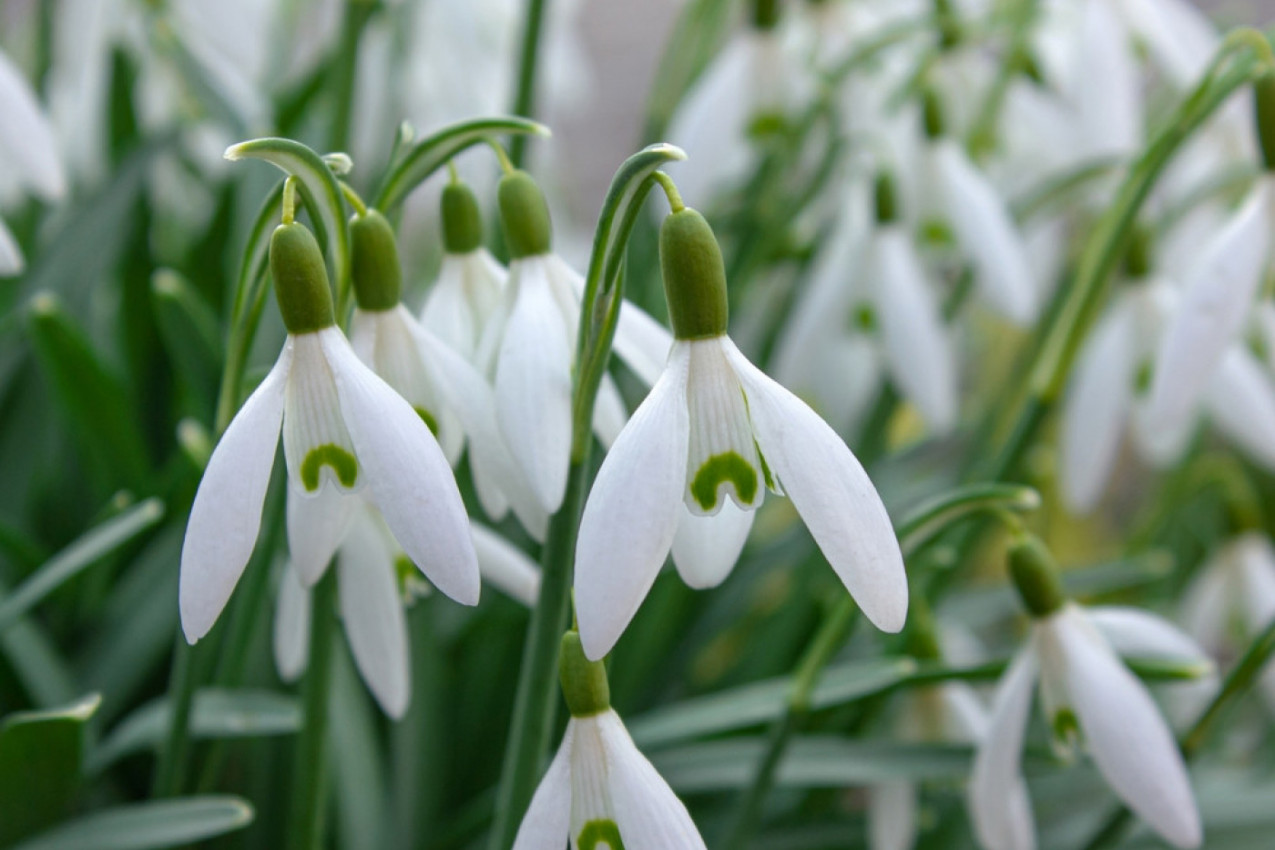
446	311
11	262
373	615
226	514
1097	406
533	383
987	235
291	626
1135	633
547	822
916	341
505	565
1241	401
892	816
705	548
1219	292
1206	604
832	493
609	415
642	343
1107	84
647	812
629	520
1128	738
999	807
408	478
316	526
26	137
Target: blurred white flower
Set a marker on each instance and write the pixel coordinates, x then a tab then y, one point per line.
28	153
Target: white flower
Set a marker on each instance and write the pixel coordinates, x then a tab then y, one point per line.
468	291
533	339
344	430
1236	586
1086	689
374	578
1220	290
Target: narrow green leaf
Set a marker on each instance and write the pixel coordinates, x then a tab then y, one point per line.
697	36
41	754
416	163
811	762
83	553
216	714
362	799
91	396
147	826
761	702
190	331
318	188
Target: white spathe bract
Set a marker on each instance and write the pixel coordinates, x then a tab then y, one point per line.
600	790
713	429
1219	294
1073	652
344	429
532	341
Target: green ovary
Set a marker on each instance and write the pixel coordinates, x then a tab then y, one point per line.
600	832
428	419
328	454
718	469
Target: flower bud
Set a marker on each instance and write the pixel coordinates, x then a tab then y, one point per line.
1035	576
1264	99
694	276
300	279
525	216
1137	257
885	198
374	267
765	14
932	114
584	682
462	220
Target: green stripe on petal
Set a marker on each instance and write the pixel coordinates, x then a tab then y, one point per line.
600	833
331	455
719	469
428	419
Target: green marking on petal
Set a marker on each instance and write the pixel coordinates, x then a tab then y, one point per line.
428	418
766	474
328	454
936	232
1066	726
411	584
600	833
864	319
1142	379
720	468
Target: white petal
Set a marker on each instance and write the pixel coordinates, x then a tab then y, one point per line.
1179	36
291	626
372	612
705	548
966	718
629	519
1207	602
987	235
408	478
446	312
721	453
317	523
642	343
548	819
1107	84
999	807
1135	633
1127	737
226	514
892	816
1219	291
1096	408
11	262
533	383
609	414
648	814
1241	402
916	341
1256	560
506	566
832	493
26	137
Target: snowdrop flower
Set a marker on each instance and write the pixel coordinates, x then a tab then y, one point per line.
694	462
532	342
1220	290
1108	391
28	153
981	223
1086	691
442	386
344	429
1235	588
599	788
375	580
470	280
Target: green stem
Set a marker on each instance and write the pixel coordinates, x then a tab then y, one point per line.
525	96
357	13
310	767
181	694
537	699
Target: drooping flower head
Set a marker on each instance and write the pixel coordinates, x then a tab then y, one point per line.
687	472
344	430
